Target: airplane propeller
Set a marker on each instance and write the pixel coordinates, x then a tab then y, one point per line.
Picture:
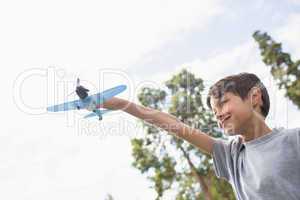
81	91
77	82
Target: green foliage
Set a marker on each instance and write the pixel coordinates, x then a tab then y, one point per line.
165	158
283	68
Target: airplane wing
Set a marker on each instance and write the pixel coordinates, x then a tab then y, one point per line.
99	99
107	94
97	113
71	105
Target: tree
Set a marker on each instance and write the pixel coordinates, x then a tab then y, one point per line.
169	162
283	68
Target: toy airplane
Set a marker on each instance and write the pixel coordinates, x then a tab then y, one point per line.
91	103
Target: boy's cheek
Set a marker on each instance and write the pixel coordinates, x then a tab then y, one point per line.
233	125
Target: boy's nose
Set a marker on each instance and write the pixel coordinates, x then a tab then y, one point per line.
219	116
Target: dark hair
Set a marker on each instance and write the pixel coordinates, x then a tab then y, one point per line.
240	85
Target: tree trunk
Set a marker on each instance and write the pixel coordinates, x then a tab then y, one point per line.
198	176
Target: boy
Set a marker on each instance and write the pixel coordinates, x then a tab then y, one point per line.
260	162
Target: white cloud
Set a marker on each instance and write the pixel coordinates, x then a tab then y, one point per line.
242	58
288	35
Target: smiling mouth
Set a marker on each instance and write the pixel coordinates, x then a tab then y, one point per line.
225	120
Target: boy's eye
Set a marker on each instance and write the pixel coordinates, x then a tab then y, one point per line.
224	101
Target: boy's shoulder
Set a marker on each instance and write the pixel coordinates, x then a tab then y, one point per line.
289	132
234	144
279	137
293	134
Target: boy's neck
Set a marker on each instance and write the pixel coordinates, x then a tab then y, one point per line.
255	129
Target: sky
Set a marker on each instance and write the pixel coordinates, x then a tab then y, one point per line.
46	45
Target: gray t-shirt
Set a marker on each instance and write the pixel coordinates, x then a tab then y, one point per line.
266	168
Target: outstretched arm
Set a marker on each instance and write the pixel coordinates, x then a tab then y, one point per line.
165	121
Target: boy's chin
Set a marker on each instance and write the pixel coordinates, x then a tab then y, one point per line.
230	131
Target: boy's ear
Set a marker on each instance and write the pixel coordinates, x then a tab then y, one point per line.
256	96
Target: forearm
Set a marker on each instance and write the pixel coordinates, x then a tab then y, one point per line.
163	120
156	117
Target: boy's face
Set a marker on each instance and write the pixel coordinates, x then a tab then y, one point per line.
232	112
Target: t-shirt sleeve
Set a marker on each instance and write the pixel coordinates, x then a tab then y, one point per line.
222	158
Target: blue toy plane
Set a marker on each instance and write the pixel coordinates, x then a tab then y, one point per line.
91	103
